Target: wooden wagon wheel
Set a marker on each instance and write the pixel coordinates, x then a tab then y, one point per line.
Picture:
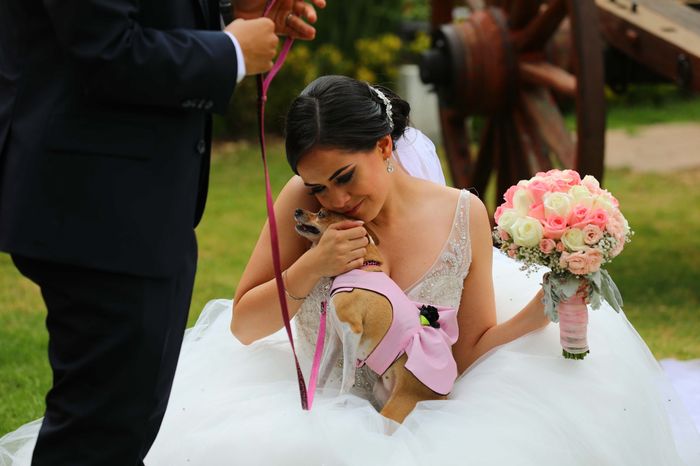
497	64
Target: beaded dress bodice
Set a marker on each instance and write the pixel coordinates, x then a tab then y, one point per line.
441	284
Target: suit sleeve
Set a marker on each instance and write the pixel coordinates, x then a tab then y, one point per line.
125	62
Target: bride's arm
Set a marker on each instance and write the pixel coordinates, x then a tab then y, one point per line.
256	311
478	330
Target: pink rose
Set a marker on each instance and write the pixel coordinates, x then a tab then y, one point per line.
499	211
508	196
615	227
594	259
580	216
560	246
599	217
537	212
619	246
503	235
547	245
592	234
571	177
538	188
512	249
554	226
575	262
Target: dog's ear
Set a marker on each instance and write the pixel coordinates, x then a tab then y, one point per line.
372	236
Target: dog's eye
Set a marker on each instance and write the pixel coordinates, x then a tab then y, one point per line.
321	214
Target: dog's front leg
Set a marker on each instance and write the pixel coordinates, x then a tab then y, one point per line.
348	311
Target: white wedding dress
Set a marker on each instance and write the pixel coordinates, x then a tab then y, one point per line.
521	404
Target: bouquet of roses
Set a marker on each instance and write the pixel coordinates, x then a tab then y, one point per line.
573	227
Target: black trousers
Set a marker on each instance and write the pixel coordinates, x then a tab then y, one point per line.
114	341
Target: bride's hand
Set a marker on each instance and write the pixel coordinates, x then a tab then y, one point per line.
341	248
536	309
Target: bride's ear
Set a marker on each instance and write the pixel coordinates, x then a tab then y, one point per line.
385	146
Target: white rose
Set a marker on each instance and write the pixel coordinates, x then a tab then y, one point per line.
557	204
602	201
522	200
581	195
574	239
591	183
507	219
527	232
625	224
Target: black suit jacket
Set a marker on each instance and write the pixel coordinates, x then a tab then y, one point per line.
105	128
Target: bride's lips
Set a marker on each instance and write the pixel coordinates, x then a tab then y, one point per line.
353	211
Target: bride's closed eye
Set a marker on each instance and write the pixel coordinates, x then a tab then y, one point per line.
339	180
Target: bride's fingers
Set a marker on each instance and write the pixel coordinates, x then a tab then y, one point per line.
355	264
305	10
357	243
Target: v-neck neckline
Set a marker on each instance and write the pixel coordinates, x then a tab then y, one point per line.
415	283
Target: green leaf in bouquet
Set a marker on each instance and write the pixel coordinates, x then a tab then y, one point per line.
594	295
550	302
567	287
557	288
610	292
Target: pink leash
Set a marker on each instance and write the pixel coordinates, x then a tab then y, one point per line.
263	85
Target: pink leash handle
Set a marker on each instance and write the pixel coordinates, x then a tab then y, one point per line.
263	85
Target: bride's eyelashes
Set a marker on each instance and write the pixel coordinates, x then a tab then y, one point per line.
340	180
345	178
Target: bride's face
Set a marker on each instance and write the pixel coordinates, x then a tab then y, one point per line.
352	183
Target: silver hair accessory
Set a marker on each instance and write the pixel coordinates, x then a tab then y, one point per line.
387	104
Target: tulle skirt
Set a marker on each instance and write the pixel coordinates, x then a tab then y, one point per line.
521	404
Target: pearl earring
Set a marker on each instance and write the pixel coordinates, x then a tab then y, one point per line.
389	166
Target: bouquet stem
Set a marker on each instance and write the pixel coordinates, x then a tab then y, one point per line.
573	327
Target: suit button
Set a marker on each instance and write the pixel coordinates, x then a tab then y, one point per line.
201	147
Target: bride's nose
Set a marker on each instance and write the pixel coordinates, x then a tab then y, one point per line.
339	200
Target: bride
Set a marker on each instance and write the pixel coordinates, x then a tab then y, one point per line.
517	401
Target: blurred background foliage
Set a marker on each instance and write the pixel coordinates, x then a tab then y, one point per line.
374	40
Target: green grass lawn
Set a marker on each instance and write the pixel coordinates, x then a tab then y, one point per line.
658	274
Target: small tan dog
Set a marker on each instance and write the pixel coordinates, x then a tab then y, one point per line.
369	314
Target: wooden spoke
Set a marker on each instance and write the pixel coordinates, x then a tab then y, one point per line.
515	152
590	97
532	144
499	3
521	12
441	12
541	28
540	108
551	76
487	157
456	142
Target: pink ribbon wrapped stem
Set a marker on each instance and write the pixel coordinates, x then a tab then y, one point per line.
573	327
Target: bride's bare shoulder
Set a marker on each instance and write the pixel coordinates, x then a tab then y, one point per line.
296	194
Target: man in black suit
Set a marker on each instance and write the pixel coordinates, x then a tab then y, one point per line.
105	133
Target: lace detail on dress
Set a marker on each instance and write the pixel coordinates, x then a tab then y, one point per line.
442	284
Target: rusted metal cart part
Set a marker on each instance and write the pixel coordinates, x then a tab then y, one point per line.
498	64
662	35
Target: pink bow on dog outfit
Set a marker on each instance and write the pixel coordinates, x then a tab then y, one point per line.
429	349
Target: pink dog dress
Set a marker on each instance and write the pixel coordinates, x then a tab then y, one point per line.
429	348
